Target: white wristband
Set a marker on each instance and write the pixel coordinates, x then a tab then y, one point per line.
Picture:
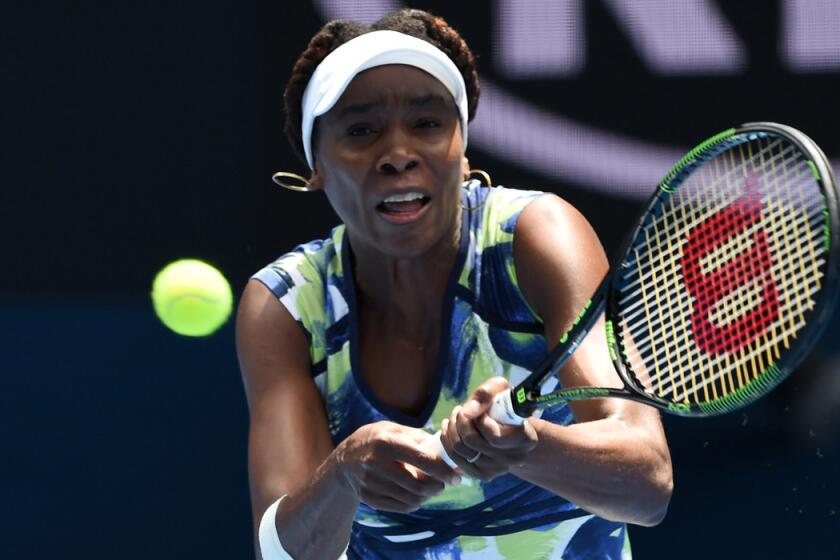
270	546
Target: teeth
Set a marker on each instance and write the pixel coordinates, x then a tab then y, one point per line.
404	197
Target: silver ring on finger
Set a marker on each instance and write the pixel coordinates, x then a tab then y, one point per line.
474	458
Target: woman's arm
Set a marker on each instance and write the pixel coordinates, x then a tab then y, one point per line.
289	443
290	451
614	461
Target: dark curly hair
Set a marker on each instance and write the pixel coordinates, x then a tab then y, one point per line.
417	23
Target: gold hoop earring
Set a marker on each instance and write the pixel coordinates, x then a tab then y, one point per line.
303	187
483	174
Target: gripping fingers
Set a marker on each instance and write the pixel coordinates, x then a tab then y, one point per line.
509	438
471	439
500	445
395	483
485	468
388	502
425	459
461	453
417	482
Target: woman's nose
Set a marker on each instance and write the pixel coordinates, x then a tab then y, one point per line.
398	154
394	166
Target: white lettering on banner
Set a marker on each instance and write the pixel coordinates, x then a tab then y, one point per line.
811	35
672	37
681	36
364	11
539	38
542	38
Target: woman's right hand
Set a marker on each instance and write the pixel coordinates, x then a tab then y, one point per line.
377	459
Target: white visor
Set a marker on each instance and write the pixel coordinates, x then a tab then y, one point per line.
377	48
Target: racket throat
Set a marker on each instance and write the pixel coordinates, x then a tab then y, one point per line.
537	401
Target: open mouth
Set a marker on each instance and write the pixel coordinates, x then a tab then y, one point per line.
403	207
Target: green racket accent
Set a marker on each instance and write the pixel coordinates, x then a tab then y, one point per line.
814	170
521	396
691	156
743	396
826	226
565	336
611	340
679	407
573	395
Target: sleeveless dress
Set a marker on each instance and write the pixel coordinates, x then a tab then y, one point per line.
488	330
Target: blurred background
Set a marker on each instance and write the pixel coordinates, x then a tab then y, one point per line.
135	134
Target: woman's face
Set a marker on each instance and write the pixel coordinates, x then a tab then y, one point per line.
390	158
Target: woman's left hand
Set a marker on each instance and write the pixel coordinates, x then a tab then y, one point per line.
482	447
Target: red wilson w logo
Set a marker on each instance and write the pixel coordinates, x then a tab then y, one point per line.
736	327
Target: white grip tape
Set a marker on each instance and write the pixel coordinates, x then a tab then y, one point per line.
501	411
434	445
270	546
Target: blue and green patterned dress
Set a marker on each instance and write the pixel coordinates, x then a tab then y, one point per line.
488	329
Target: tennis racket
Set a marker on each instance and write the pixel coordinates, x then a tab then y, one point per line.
723	287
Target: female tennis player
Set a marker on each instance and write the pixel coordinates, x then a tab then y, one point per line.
435	293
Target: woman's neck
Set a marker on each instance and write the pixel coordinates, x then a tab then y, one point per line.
407	293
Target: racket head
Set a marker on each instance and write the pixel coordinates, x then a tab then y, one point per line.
731	274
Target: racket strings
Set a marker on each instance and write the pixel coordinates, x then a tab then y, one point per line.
673	225
633	305
729	381
703	328
653	269
670	277
783	332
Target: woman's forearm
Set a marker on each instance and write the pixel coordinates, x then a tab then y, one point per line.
605	467
315	520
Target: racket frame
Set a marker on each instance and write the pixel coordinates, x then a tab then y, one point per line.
525	398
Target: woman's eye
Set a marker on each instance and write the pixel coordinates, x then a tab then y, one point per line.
428	123
359	130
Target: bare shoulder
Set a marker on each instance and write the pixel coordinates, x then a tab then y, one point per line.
269	341
556	251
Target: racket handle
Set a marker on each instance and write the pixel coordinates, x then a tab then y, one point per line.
501	411
434	445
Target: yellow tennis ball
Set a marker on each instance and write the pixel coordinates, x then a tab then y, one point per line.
191	297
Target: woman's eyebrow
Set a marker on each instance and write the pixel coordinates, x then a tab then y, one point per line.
414	103
425	100
357	108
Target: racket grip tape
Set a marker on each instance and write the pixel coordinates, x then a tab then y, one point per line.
501	411
433	445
